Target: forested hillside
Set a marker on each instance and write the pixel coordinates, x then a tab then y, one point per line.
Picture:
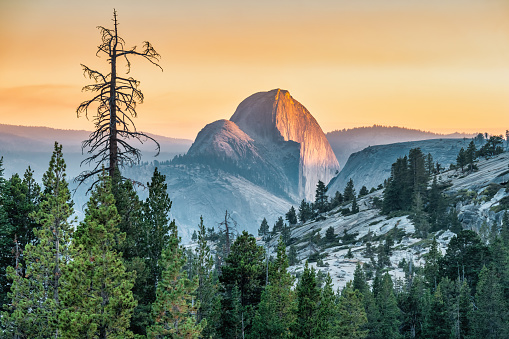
406	259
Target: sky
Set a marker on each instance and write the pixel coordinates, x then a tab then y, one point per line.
438	65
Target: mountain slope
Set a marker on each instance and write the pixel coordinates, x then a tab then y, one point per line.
347	141
371	166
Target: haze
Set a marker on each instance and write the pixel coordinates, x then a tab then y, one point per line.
433	65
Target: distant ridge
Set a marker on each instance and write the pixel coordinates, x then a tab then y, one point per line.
347	141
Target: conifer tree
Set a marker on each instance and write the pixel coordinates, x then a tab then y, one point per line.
292	256
351	315
21	198
321	199
349	192
278	226
432	265
437	324
263	231
355	206
388	309
305	212
244	268
36	295
291	216
206	293
98	297
6	242
276	311
364	191
157	230
174	311
133	248
327	312
471	156
308	296
489	318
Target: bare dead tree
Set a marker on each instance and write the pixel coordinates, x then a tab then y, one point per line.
116	98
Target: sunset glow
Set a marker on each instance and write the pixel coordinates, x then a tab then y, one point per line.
433	65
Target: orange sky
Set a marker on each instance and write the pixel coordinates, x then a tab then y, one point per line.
440	65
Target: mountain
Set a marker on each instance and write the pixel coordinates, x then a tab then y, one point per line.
23	146
267	157
347	141
371	166
274	118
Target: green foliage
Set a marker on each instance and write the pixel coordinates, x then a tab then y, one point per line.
292	256
308	297
349	192
491	147
174	311
438	323
98	298
244	268
321	199
465	256
291	216
21	198
389	313
364	191
305	212
207	291
489	319
329	234
263	231
276	311
278	226
36	294
355	206
352	317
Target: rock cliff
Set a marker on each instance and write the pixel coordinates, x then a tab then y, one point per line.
273	118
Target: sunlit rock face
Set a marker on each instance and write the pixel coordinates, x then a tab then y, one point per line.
274	118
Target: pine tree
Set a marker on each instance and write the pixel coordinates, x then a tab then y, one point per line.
98	298
278	226
21	198
244	268
305	212
36	295
349	192
432	265
388	309
327	312
286	234
364	191
206	293
355	206
291	216
292	256
276	312
437	324
174	311
489	319
263	231
321	199
6	240
471	156
351	315
157	230
308	296
461	159
133	248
